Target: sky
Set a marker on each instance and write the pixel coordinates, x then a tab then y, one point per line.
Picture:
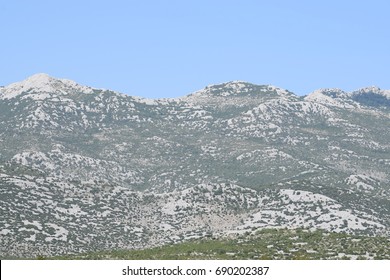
170	48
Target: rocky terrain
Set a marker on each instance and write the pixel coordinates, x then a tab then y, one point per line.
85	169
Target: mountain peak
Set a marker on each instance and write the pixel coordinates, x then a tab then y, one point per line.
372	90
39	81
372	96
367	96
39	77
42	83
237	89
329	96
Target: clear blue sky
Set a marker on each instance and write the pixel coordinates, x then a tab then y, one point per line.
171	48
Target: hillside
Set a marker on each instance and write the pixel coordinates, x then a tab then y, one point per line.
85	169
278	244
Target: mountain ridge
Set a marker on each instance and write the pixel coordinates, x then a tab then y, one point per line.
40	80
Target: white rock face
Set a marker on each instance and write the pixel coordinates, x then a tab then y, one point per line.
41	84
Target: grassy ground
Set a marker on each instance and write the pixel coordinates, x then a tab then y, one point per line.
262	244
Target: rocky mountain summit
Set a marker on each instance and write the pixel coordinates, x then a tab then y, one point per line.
84	169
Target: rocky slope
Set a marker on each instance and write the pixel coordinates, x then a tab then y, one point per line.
89	169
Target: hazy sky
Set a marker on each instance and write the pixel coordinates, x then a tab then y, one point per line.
171	48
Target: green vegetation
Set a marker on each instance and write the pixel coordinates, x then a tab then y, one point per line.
262	244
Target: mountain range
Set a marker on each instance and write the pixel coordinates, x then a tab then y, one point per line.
86	169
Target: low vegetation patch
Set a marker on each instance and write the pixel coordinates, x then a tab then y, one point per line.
270	244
